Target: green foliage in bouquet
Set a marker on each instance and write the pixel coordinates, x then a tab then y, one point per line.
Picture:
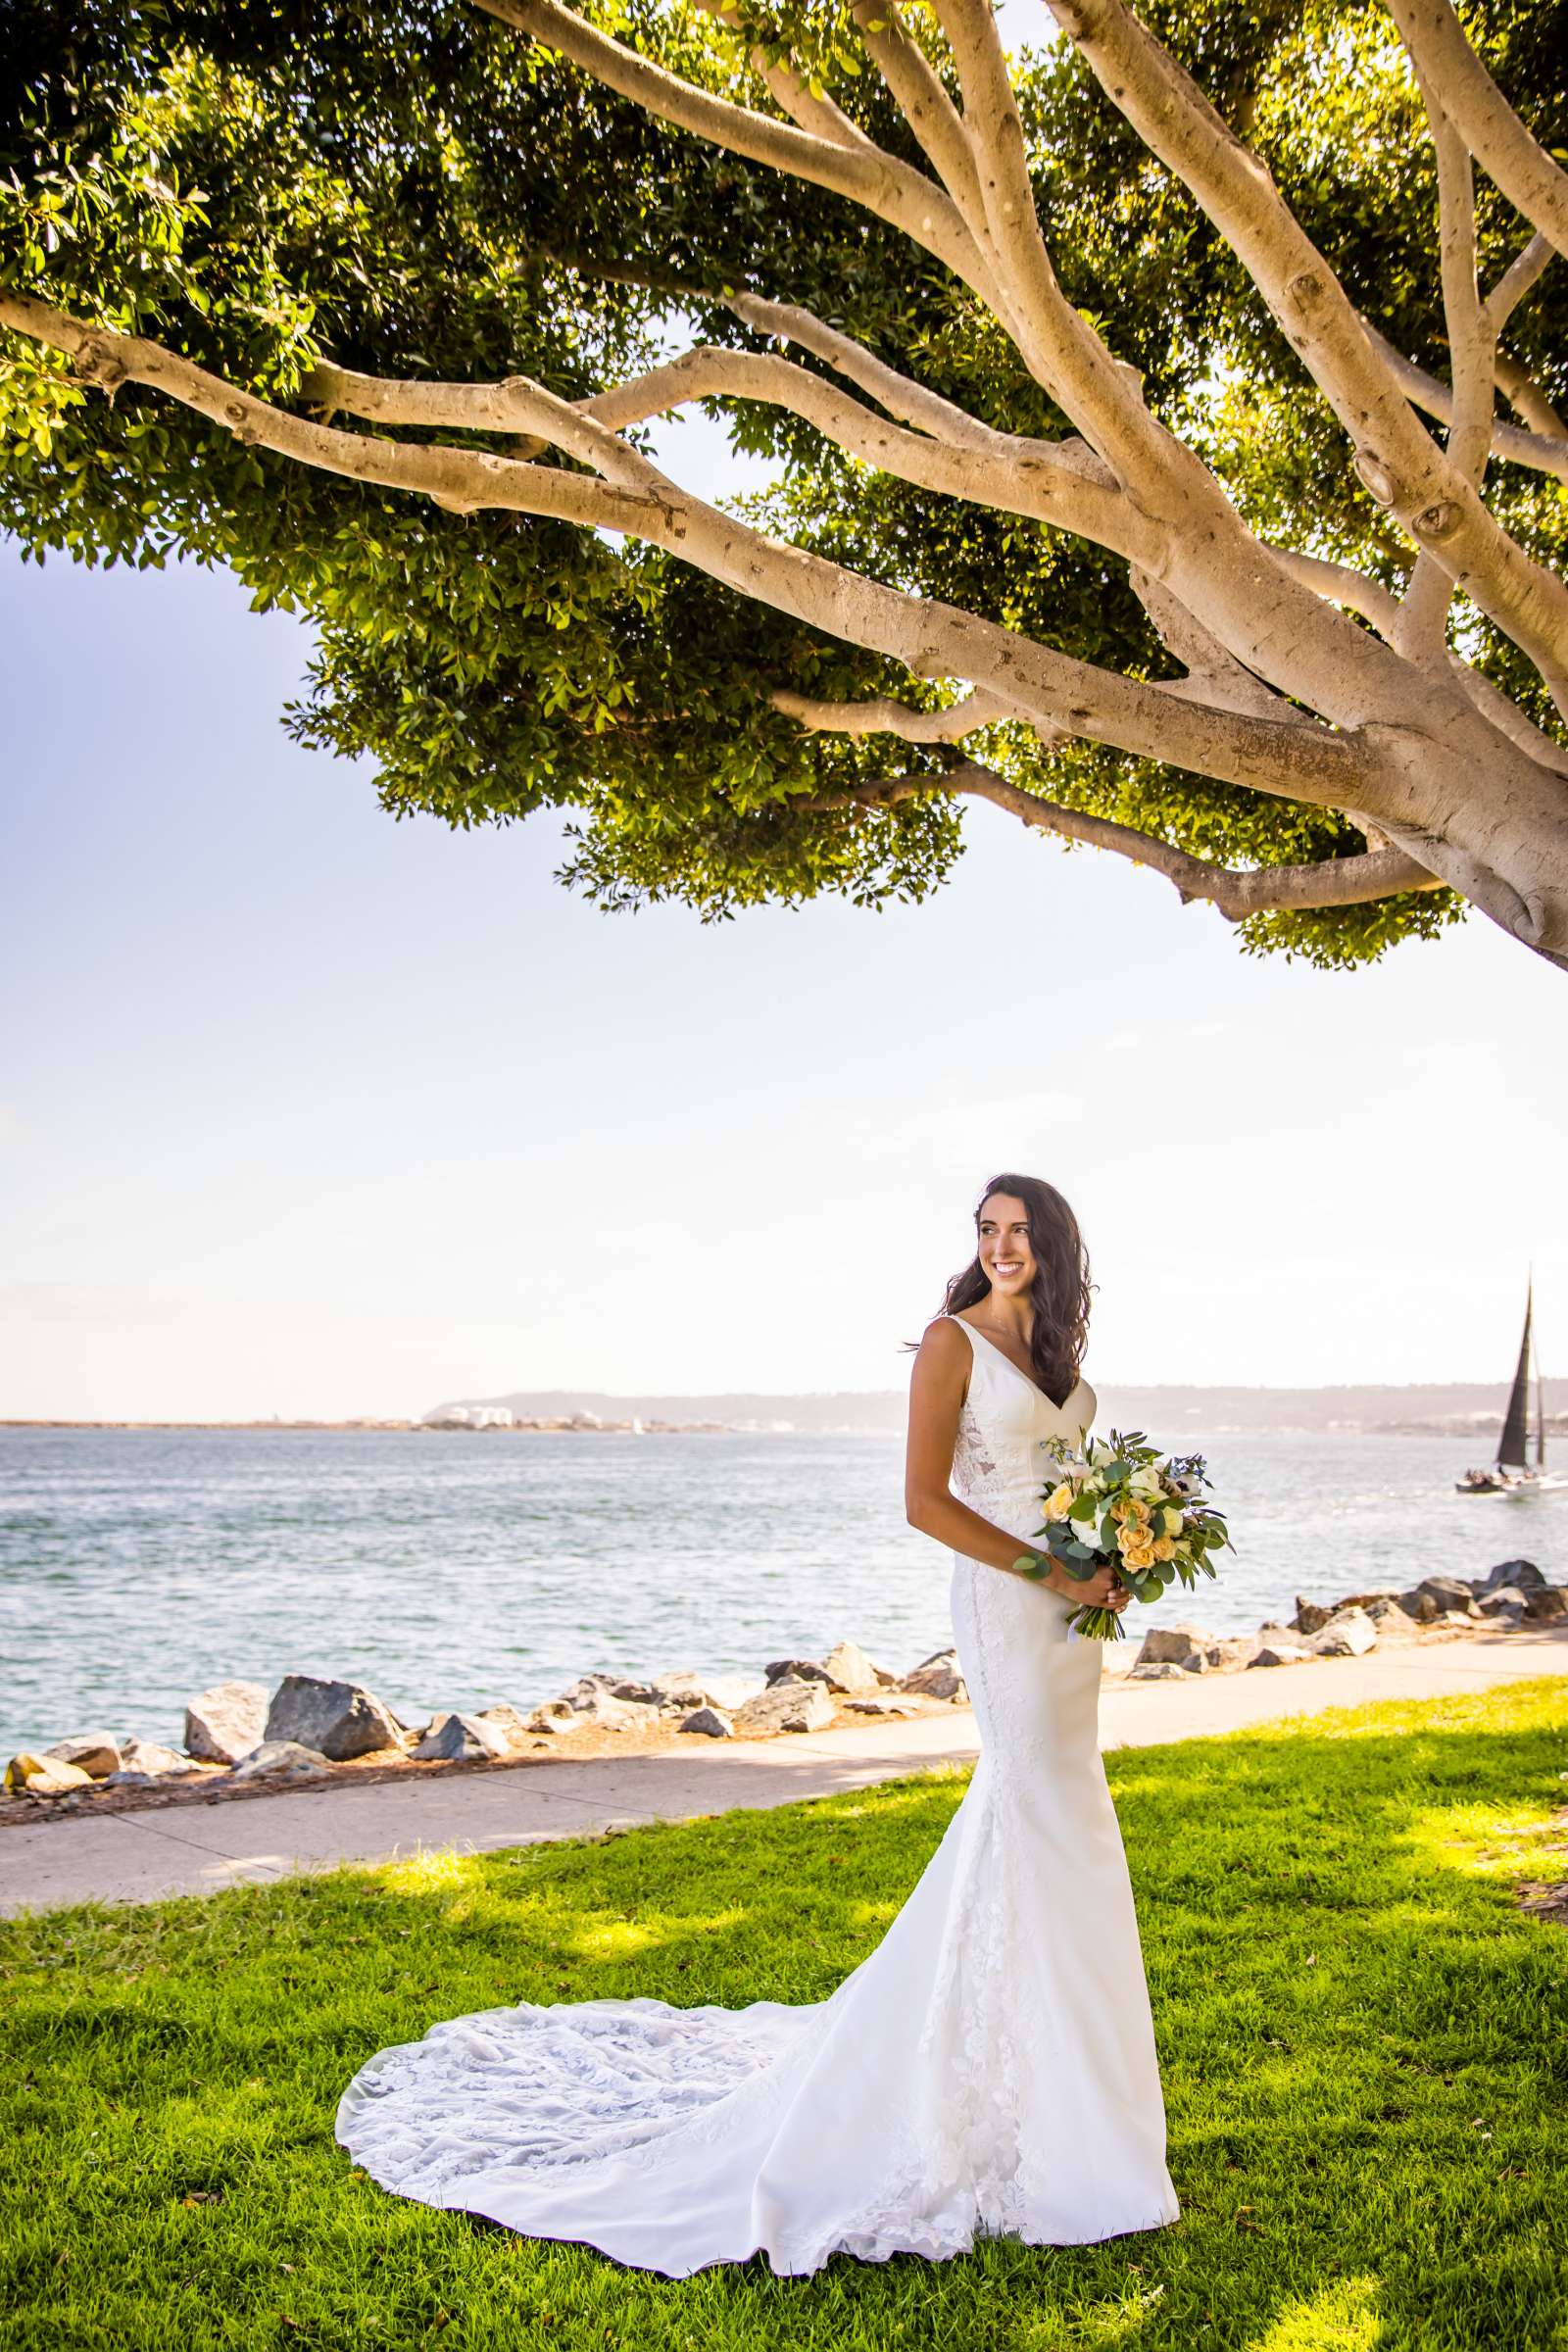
1124	1503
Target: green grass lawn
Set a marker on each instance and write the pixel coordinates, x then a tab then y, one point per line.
1362	2039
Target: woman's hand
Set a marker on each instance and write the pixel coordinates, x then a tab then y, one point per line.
1101	1591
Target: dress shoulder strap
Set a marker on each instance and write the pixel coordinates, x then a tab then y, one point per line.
978	1363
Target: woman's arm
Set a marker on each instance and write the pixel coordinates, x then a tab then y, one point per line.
937	1391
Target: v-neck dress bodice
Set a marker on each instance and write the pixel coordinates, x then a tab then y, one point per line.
1007	1426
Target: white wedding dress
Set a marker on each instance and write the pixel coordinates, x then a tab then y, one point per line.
990	2067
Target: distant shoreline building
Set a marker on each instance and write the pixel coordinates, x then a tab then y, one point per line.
470	1416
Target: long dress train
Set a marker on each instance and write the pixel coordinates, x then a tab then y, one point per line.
989	2069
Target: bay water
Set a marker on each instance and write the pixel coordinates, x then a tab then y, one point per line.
455	1570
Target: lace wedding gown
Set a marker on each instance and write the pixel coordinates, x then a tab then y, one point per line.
990	2067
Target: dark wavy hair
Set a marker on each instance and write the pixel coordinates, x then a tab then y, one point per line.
1060	1293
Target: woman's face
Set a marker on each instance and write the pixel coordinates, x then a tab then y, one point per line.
1004	1250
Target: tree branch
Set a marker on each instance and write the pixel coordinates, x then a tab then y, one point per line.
1251	601
1340	584
1214	676
900	395
1519	165
462	480
1536	449
931	639
1516	281
878	714
1397	459
1104	397
1526	398
893	191
1259	890
1017	476
1472	349
924	102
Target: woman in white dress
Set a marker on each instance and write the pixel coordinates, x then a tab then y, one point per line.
991	2066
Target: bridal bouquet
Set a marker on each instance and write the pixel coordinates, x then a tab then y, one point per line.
1123	1501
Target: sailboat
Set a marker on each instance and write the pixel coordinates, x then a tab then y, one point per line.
1513	1473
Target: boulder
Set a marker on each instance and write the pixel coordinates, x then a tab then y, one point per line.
96	1753
1502	1604
556	1715
1389	1618
1281	1653
226	1722
797	1670
640	1695
1544	1606
1232	1650
939	1677
1448	1591
1160	1670
1349	1634
687	1686
1454	1621
710	1723
878	1703
682	1691
1524	1574
31	1775
460	1738
1174	1644
1420	1604
147	1761
614	1715
589	1690
786	1706
336	1720
281	1761
849	1669
506	1722
727	1691
1311	1616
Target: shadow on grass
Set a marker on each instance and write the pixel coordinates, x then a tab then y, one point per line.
1361	2034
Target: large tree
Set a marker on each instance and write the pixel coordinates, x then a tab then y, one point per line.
1165	421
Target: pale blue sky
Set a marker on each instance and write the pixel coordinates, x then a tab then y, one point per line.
307	1112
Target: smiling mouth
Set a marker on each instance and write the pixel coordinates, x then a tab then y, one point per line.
1006	1267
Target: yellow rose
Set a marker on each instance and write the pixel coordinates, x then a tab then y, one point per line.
1174	1522
1164	1548
1136	1514
1058	1502
1130	1538
1140	1555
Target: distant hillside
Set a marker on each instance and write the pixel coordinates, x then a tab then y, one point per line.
1439	1408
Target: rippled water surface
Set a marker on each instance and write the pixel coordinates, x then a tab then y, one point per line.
137	1566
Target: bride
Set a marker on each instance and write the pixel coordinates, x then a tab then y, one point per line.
991	2066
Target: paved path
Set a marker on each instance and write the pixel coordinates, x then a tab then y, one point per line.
192	1849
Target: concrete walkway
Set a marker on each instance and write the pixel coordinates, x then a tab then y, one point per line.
193	1850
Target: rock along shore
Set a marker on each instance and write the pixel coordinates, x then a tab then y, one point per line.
239	1740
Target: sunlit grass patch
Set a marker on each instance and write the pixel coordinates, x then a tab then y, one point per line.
1341	2317
1362	2039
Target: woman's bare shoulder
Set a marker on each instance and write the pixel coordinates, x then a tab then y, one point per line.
944	1349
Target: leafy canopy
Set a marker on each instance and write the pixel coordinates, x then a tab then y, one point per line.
414	191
